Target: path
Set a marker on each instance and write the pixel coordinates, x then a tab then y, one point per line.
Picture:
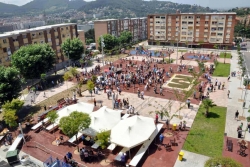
235	104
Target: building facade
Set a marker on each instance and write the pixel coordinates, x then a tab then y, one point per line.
137	26
192	29
54	35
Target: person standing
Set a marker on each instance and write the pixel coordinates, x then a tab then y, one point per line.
94	102
167	123
156	118
228	93
161	138
188	103
161	90
236	115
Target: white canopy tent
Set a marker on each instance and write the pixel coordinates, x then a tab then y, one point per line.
80	107
103	119
132	131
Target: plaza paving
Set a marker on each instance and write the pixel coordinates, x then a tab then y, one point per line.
153	103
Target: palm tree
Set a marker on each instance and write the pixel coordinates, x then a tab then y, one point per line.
207	104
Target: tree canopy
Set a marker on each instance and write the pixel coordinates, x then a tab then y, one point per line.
222	161
10	118
33	60
73	48
10	84
76	121
125	37
110	41
15	105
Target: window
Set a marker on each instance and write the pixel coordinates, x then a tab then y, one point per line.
228	29
59	50
4	41
206	22
33	35
198	17
190	17
220	28
207	17
229	23
206	28
197	22
190	22
230	17
63	35
42	41
219	34
35	42
40	33
157	17
169	17
197	34
4	50
61	28
184	22
163	17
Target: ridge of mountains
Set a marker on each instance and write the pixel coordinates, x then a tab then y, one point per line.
108	8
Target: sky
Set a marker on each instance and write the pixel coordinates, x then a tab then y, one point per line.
216	4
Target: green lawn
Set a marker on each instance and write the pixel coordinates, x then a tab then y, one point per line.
206	135
228	55
222	70
183	85
182	50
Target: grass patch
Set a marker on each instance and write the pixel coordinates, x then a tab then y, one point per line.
114	57
222	70
206	135
167	60
183	85
182	50
52	101
228	55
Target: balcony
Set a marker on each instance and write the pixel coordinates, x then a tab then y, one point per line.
229	19
229	25
205	30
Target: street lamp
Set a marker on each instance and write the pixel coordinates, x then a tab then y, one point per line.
103	45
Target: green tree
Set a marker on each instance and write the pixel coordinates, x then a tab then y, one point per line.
73	71
14	105
103	138
10	118
75	122
223	162
67	76
90	86
52	116
110	41
125	37
207	104
10	84
33	60
73	48
90	34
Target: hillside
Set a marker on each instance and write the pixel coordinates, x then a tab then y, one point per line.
8	8
241	11
36	6
137	8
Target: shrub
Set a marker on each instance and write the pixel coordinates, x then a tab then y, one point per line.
222	161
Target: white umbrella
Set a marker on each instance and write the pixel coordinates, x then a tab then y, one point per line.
103	119
80	107
132	131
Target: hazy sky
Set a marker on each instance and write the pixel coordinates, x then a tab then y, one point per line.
221	4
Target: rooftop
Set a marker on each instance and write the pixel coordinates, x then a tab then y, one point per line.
215	13
16	32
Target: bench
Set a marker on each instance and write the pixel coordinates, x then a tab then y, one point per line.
52	127
73	139
125	116
95	145
111	147
35	127
16	142
136	159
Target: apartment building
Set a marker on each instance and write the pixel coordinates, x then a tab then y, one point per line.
191	29
137	26
54	35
